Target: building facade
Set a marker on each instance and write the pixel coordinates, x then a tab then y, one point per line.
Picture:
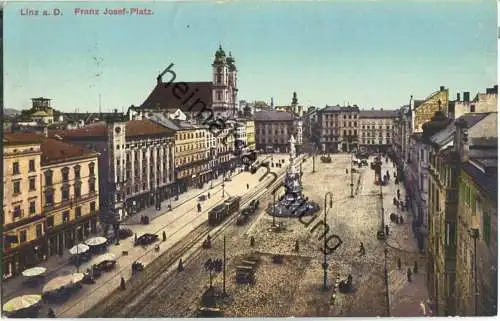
51	198
70	194
447	140
376	129
482	103
273	130
250	134
136	163
477	235
23	219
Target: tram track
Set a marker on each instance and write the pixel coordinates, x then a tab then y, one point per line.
130	301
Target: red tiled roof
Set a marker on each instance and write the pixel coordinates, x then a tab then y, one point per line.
21	138
97	130
162	96
56	151
145	127
133	128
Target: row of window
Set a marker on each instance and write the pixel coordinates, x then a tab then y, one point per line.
18	213
189	147
190	135
16	185
65	173
372	142
349	116
16	168
65	192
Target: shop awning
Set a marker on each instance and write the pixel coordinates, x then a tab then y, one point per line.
21	302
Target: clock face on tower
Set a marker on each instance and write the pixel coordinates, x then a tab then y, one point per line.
118	130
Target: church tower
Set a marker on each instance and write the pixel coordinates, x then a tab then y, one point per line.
224	90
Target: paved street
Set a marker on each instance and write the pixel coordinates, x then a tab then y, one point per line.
355	220
177	223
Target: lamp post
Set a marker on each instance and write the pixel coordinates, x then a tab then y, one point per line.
352	184
386	279
224	270
274	207
474	233
325	263
314	158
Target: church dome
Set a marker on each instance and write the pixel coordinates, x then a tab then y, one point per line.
220	53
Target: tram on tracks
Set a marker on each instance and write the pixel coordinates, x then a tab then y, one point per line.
222	211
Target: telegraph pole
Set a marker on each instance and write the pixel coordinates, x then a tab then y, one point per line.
224	270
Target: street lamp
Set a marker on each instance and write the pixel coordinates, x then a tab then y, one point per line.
274	207
386	279
352	177
474	233
325	263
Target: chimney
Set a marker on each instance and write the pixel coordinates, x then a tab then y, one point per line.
46	131
466	96
458	96
441	88
462	140
158	80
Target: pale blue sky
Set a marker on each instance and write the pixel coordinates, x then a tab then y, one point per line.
369	53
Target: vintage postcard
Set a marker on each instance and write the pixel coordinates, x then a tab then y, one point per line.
249	159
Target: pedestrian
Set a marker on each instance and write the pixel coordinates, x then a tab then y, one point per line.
399	194
399	263
164	236
252	241
135	238
122	283
51	313
199	207
346	171
296	245
415	267
180	267
408	274
386	229
248	186
208	195
401	221
361	248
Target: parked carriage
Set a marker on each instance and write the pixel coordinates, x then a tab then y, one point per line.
222	211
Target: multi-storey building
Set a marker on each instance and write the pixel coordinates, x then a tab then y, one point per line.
348	127
327	131
444	139
23	220
482	103
376	129
477	231
338	128
136	163
273	130
51	199
70	194
250	134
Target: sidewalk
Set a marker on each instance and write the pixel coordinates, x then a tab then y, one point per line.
400	235
177	224
405	297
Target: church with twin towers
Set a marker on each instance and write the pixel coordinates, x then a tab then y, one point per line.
171	93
